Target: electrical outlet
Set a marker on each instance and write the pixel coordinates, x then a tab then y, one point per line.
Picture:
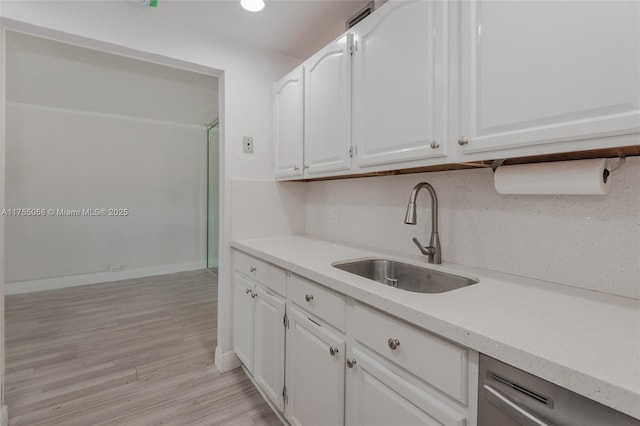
247	144
334	215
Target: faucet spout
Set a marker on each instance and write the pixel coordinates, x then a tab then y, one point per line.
433	251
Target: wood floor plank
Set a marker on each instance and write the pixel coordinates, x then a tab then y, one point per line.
132	352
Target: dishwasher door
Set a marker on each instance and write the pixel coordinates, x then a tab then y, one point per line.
508	396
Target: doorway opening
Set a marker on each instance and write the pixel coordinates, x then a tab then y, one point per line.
113	144
110	148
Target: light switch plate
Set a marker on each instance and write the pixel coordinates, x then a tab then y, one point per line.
247	144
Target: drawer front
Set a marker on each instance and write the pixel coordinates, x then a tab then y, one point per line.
265	273
318	300
437	361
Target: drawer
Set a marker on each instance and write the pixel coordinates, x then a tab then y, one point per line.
265	273
440	363
320	301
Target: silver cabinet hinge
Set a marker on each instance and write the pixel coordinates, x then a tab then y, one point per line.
285	397
352	43
285	321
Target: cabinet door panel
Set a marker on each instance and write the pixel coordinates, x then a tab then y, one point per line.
399	100
243	320
314	377
288	131
380	397
268	369
327	78
541	72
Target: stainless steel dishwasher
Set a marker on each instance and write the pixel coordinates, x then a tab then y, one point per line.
508	396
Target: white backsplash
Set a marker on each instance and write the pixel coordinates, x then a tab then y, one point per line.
584	241
262	208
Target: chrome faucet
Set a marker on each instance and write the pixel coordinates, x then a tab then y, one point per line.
433	250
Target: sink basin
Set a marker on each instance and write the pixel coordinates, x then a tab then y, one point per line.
404	276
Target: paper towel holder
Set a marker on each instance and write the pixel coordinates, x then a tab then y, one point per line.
497	163
621	159
619	164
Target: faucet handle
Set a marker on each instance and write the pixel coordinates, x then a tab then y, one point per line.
427	251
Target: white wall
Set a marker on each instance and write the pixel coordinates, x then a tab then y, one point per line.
245	91
66	159
87	129
584	241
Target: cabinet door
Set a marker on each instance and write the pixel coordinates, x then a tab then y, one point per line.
400	83
314	376
243	323
288	127
327	109
380	397
538	72
268	369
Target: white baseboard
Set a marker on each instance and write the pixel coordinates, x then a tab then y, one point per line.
4	416
226	361
19	287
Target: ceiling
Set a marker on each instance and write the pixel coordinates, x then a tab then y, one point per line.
295	28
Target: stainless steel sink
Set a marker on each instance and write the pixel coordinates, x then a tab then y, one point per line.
405	276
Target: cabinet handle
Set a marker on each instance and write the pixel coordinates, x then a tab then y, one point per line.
254	295
248	291
393	344
296	168
463	141
333	350
351	362
252	269
308	297
305	167
435	145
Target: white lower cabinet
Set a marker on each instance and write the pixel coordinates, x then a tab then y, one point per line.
322	358
314	372
401	374
378	396
243	319
258	334
268	363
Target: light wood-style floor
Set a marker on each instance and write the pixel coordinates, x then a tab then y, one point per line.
134	352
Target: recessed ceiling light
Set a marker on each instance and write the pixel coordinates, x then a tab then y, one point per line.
252	5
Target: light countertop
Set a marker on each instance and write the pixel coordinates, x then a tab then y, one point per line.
582	340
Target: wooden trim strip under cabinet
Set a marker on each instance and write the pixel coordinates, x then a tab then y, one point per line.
627	151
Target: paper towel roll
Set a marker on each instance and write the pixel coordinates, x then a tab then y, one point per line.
580	177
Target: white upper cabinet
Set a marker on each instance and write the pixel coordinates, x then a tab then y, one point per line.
539	72
400	84
327	109
424	83
288	127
